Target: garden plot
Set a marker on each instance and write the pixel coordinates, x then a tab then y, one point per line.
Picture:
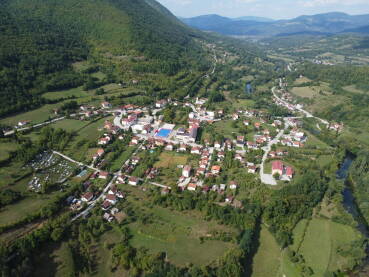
49	170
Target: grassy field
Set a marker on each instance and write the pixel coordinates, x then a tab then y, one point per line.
302	80
125	155
76	92
71	125
170	159
22	208
307	92
176	233
6	148
36	116
320	244
266	262
10	174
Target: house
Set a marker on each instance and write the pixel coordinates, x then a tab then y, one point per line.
222	186
277	168
200	171
289	172
246	122
87	197
251	169
161	104
196	150
111	198
103	175
104	141
135	160
106	205
192	187
257	125
23	123
106	105
229	199
182	148
221	154
100	152
235	116
238	157
217	145
186	172
133	181
240	141
135	140
108	217
169	147
215	169
233	185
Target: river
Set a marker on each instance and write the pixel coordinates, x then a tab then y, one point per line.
351	207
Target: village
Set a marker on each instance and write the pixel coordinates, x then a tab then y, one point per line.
148	133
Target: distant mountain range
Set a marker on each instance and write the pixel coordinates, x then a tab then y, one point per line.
328	23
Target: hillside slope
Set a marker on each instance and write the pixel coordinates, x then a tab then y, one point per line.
41	38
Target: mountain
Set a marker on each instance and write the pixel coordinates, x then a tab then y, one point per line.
329	23
40	39
253	18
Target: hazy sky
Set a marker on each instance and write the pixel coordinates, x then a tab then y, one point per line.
277	9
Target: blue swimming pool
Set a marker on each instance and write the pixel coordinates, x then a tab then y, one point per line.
163	133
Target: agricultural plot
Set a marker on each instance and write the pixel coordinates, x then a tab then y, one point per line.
6	148
73	92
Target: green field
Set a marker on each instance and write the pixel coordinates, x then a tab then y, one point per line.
36	116
171	159
307	92
6	148
17	211
178	235
76	92
320	244
266	262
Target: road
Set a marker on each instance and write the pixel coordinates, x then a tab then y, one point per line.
306	113
268	179
9	133
76	162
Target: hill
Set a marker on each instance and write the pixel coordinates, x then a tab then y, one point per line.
42	38
328	23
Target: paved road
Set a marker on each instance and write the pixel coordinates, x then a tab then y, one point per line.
76	162
34	126
268	178
306	113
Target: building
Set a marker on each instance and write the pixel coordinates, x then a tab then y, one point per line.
103	175
289	172
87	197
277	167
192	187
215	169
186	172
111	198
133	181
106	105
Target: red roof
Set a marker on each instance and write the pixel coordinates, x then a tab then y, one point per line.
289	171
277	165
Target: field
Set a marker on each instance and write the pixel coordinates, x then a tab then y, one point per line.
353	89
302	80
6	148
36	116
76	92
176	233
325	236
306	92
22	208
169	159
267	259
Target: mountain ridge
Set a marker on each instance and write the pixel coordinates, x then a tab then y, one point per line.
325	23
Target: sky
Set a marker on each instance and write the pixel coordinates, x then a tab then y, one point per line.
277	9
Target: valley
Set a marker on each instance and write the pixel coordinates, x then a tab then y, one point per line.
134	145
